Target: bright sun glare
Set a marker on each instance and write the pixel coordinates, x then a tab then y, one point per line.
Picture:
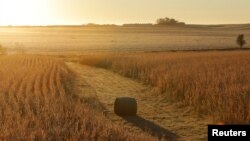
21	12
47	12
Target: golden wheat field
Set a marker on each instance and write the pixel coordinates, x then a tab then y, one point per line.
35	104
215	83
60	83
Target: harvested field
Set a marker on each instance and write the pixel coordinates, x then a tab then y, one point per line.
178	92
35	104
155	115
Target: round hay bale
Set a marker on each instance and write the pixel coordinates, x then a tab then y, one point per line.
125	106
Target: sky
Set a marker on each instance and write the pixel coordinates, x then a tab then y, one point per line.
63	12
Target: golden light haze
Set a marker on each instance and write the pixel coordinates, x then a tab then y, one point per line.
46	12
18	12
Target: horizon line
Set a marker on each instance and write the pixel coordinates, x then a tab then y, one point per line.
111	24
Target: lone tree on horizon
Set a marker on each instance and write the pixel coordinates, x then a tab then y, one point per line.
240	40
168	21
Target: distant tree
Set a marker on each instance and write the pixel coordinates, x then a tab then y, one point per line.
240	40
168	21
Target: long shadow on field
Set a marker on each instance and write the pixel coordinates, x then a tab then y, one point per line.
151	127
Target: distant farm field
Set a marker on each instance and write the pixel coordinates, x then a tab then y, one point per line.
75	39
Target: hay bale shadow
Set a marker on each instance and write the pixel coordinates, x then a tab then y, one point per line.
152	128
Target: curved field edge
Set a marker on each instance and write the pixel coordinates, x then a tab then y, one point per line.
36	103
216	84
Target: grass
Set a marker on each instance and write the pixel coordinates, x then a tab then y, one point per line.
36	104
216	84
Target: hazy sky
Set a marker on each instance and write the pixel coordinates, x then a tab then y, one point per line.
43	12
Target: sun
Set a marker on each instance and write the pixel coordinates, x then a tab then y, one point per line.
21	12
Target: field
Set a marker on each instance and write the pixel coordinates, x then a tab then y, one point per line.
79	39
35	104
215	83
60	83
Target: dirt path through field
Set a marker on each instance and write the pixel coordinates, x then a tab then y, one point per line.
155	114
